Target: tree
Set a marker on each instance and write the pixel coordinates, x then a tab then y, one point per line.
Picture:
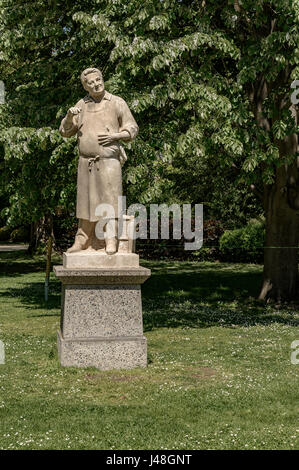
214	78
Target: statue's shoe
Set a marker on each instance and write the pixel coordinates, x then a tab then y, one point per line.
75	248
111	246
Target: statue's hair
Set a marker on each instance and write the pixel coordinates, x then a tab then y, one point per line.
87	72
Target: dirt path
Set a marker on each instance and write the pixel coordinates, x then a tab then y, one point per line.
12	247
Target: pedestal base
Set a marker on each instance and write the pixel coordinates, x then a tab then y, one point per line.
102	353
101	318
97	259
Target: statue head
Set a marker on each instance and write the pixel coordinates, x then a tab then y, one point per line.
93	82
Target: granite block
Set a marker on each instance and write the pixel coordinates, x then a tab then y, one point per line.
102	276
104	311
103	353
101	318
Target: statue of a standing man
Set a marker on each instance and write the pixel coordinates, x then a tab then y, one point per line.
101	121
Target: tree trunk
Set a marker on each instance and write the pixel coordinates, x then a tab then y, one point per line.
281	204
281	280
40	233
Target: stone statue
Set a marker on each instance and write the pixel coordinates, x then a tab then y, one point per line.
101	313
100	120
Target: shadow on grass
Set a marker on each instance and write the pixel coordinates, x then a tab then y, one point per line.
178	294
32	296
195	315
14	263
204	295
204	283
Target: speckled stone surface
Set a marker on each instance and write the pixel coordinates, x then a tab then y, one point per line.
104	311
104	354
102	275
101	318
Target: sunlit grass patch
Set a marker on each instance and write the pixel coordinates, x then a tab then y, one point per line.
219	374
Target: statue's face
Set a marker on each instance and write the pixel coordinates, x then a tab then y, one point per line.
94	85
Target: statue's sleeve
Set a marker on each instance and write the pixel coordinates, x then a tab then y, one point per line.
73	129
126	120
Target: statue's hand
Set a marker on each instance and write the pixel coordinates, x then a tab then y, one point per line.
73	112
107	139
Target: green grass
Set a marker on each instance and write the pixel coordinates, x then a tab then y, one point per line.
219	373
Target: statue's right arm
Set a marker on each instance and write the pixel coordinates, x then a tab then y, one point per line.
67	129
69	124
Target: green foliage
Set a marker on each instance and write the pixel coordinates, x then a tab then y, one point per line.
244	244
188	68
39	169
42	54
189	71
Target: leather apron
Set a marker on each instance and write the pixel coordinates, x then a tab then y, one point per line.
99	170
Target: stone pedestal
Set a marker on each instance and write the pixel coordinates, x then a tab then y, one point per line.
101	316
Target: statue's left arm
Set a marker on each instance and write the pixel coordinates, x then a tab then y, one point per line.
128	128
126	121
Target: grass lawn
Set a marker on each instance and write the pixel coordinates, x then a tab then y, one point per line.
219	373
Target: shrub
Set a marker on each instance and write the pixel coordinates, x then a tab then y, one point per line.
20	234
5	234
244	244
212	231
